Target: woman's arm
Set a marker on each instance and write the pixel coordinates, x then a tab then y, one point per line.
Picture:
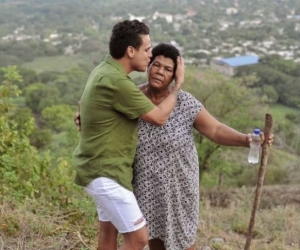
218	132
222	134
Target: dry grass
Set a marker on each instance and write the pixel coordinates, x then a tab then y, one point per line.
36	227
225	215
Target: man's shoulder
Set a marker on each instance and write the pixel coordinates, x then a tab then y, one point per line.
112	68
108	73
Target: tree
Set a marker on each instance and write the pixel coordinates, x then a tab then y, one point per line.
225	99
71	84
25	171
40	138
57	116
22	169
278	73
6	60
29	76
39	96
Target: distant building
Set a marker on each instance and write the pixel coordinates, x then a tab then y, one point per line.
228	66
139	18
231	11
53	36
167	17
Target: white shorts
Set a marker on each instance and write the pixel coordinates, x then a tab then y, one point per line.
116	204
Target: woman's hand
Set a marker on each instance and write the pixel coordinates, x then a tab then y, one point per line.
262	138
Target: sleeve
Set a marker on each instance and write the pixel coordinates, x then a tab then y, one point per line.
130	101
191	105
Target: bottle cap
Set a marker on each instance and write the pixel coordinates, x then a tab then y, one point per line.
256	131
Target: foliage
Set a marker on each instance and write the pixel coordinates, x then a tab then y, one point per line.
70	84
85	26
39	96
24	171
61	63
40	138
225	99
278	80
56	117
15	149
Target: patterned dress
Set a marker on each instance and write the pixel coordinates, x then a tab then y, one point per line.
166	175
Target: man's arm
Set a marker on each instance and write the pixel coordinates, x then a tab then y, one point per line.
160	113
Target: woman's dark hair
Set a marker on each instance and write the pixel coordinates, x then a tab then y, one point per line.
124	34
166	50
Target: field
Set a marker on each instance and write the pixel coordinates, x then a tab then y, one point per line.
223	225
224	214
61	63
279	112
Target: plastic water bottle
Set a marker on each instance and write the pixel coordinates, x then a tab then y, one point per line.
253	156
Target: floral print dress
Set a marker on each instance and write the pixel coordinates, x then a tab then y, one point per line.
166	175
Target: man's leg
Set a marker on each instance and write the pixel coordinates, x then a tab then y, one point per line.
107	236
135	240
118	210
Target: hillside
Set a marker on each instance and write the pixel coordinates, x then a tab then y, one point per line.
54	45
224	215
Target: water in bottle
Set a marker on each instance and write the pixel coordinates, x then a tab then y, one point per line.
253	156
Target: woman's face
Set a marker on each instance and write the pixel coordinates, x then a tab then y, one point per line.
160	72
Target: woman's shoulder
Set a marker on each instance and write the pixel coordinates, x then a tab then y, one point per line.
142	87
184	95
188	98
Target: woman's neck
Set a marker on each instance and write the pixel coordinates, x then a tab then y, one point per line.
155	95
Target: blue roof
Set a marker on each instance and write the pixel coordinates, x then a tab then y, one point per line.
240	60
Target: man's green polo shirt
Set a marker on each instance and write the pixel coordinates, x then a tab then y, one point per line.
110	106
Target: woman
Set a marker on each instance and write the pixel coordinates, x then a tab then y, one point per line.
166	168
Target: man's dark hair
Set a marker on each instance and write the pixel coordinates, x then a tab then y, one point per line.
166	50
124	34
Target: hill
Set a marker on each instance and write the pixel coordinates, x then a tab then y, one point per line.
224	215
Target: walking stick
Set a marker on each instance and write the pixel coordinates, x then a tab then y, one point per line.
261	176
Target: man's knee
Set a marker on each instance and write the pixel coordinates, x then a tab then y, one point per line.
137	240
143	239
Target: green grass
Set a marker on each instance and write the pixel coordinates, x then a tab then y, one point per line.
61	63
279	111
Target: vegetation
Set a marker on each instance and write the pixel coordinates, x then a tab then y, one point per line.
35	28
224	218
278	80
60	43
38	170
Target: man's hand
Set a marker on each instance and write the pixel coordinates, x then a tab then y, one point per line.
179	74
77	118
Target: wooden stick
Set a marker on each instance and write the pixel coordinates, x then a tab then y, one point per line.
260	181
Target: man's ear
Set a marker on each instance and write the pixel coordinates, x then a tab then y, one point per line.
130	51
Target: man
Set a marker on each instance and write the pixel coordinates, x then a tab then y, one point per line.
110	107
